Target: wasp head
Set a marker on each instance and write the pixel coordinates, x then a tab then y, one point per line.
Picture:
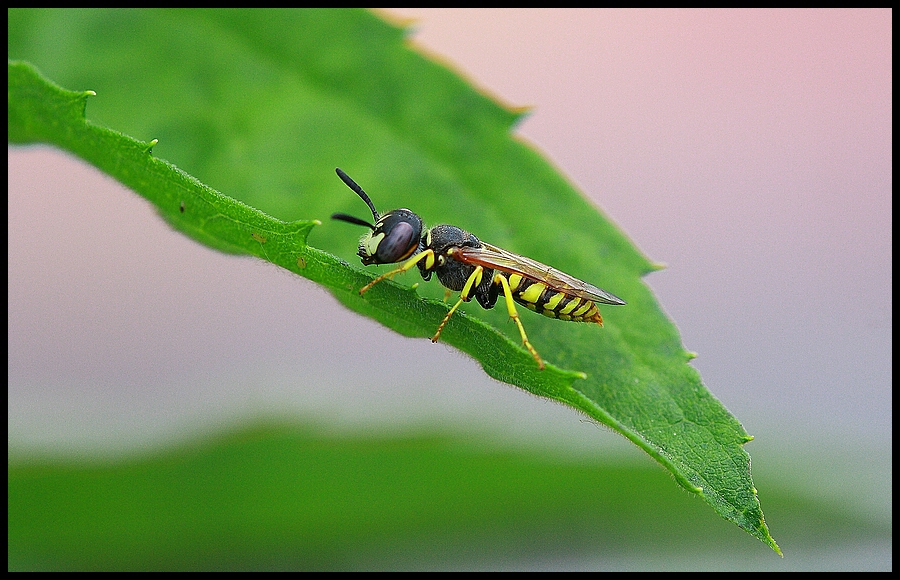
395	235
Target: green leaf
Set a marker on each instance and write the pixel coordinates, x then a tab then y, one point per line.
263	105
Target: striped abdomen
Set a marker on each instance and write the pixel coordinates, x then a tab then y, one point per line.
552	302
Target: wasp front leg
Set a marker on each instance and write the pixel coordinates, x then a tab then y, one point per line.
427	255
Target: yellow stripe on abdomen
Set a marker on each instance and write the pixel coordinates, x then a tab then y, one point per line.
533	293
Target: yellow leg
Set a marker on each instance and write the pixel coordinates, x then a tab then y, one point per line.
427	255
511	307
464	296
473	282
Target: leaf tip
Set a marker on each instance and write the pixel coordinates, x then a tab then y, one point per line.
148	147
407	23
770	541
691	355
521	112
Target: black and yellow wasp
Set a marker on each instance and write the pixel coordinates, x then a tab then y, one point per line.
465	264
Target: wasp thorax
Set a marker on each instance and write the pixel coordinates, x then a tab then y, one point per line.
395	237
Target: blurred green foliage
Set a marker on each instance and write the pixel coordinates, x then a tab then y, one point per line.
284	496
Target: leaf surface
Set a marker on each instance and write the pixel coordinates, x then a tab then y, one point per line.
263	105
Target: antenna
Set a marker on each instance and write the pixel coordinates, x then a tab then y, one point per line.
359	191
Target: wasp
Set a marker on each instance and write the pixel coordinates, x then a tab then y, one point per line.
465	264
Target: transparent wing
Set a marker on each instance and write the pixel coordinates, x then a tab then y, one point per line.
499	259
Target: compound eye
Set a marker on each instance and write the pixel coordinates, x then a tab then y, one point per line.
398	243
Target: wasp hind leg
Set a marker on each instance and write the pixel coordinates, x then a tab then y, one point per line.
511	307
473	282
